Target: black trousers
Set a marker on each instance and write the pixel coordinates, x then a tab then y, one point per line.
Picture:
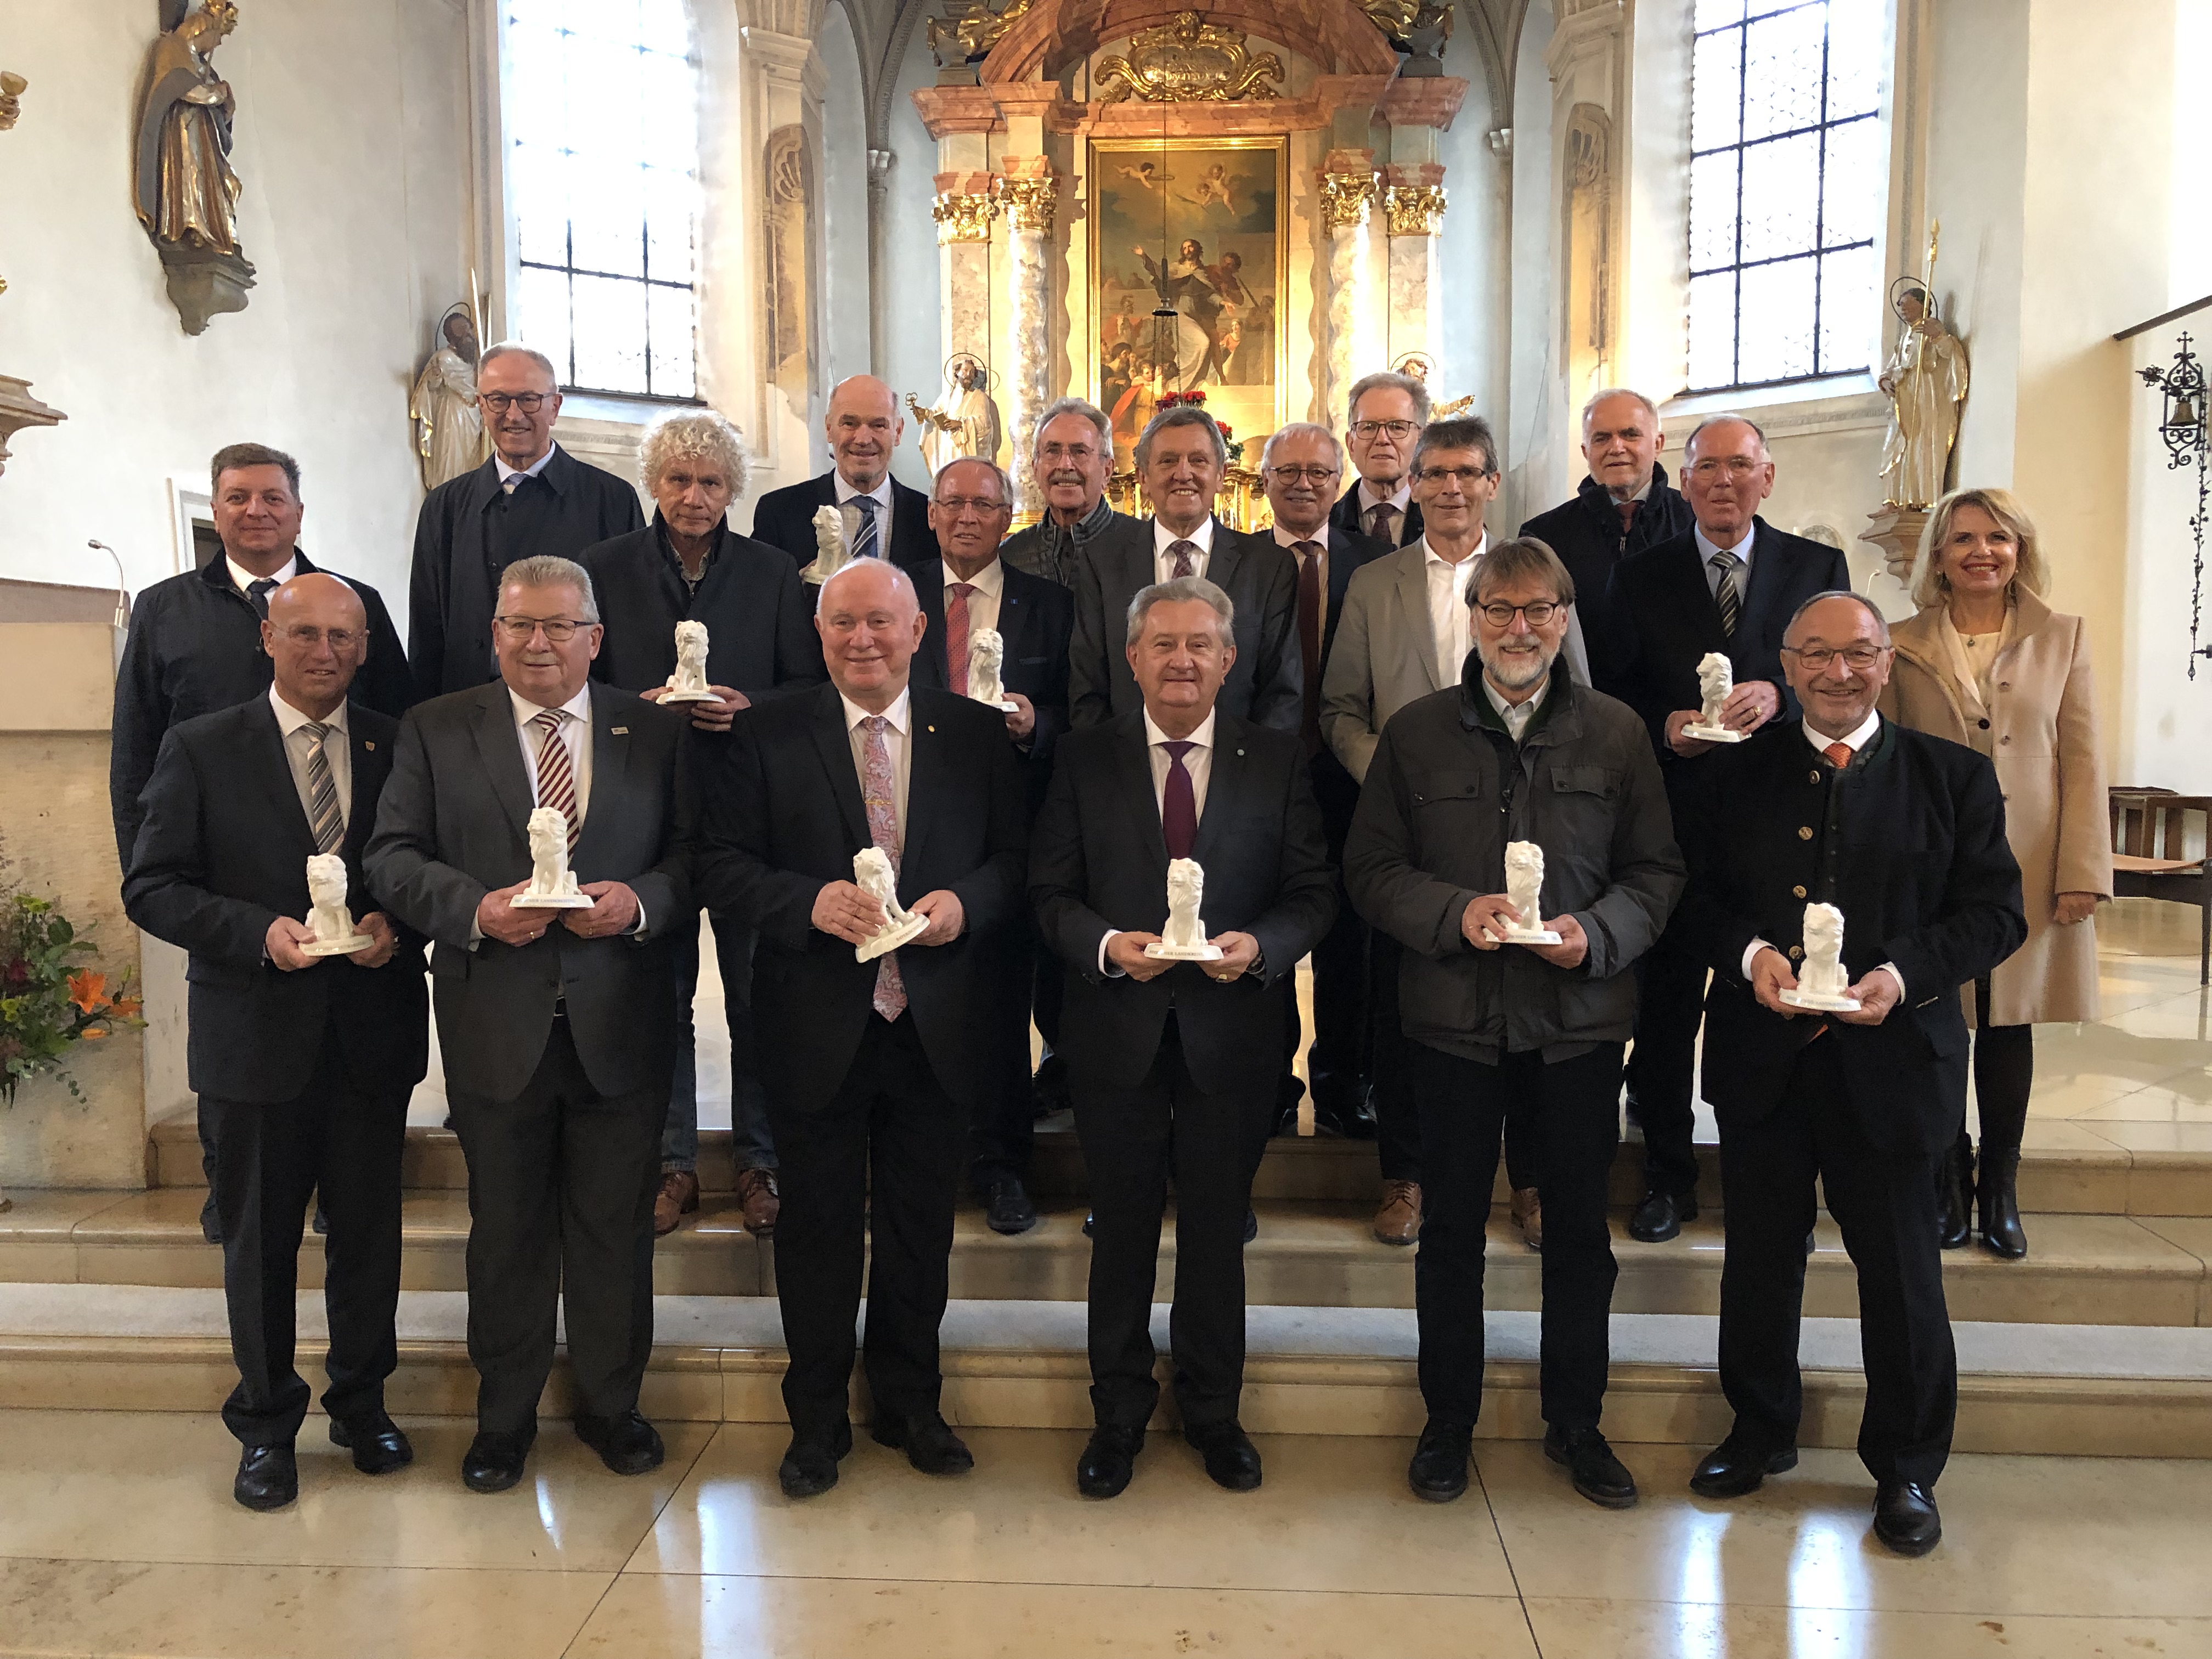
1213	1142
1662	1066
880	1162
1885	1203
1336	1062
1005	1123
560	1186
346	1137
1575	1126
1397	1118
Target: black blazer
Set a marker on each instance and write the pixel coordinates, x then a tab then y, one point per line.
195	647
1910	844
785	518
454	825
221	854
1585	532
1268	684
1036	618
1665	619
1100	863
759	617
784	819
465	536
1345	516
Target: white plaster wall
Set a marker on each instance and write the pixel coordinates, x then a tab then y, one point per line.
911	300
1474	272
845	204
354	147
1537	475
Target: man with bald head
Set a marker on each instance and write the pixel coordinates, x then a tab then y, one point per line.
302	1062
872	1067
883	519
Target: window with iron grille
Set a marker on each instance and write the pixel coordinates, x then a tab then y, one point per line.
1788	184
602	111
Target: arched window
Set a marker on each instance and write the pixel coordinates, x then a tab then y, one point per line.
1788	184
602	111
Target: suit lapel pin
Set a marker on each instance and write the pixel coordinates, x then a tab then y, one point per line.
933	728
618	731
367	743
1240	752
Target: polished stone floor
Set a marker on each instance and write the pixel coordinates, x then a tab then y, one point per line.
118	1537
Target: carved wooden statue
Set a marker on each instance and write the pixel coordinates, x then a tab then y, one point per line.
185	189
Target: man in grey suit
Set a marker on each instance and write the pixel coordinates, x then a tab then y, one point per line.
1406	632
558	1026
1180	457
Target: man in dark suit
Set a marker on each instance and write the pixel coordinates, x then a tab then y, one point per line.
690	566
1382	423
557	1026
970	589
532	497
1070	459
1727	586
1904	833
1160	1053
302	1063
195	647
883	519
1624	506
1182	456
1300	466
871	1065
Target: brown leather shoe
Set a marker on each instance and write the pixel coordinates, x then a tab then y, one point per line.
1529	1216
677	1197
1399	1220
757	1194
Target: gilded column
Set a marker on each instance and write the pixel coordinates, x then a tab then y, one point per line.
1030	191
1348	188
1413	213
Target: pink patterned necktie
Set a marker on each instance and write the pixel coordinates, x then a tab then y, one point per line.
878	789
557	777
956	633
1182	553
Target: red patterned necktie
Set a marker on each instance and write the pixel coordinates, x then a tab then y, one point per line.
1181	552
1838	754
1382	523
956	633
877	792
1309	631
557	776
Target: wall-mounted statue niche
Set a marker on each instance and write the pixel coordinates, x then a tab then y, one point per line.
185	189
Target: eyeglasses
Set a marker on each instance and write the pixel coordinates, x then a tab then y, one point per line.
1075	454
307	637
558	629
499	402
1400	429
1738	466
1859	658
1287	476
1501	615
1465	476
981	506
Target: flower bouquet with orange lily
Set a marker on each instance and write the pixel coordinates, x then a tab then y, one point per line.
48	1005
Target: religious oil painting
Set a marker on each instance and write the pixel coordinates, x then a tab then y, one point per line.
1188	280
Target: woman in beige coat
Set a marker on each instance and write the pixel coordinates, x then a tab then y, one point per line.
1988	664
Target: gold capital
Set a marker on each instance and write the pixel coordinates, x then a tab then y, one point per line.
1415	209
1346	197
965	218
1030	202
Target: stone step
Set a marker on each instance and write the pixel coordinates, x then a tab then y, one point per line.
2024	1389
2081	1269
2078	1173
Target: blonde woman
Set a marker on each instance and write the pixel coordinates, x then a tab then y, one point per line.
1987	662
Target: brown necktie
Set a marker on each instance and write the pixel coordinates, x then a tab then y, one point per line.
1181	552
1382	523
1309	631
956	633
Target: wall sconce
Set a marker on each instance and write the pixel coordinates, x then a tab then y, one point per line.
2184	426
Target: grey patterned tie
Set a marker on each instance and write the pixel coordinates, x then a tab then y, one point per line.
323	817
1724	591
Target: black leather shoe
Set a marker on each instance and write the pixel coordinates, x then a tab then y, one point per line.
1998	1198
494	1459
1740	1465
1251	1224
1955	1195
1904	1517
1231	1460
1006	1205
1438	1471
928	1441
810	1466
627	1445
268	1479
1109	1458
210	1220
1660	1215
1598	1474
375	1441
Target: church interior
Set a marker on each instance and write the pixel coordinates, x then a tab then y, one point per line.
1924	245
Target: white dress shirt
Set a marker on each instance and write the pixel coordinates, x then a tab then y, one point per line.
1163	538
1517	715
1198	762
1707	547
1450	623
576	732
245	577
299	745
897	723
990	586
1855	740
881	496
529	472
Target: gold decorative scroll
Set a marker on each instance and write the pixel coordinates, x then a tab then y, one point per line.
965	218
1415	209
1030	202
1345	197
970	31
1188	61
1400	18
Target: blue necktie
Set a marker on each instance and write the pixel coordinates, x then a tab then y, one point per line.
864	545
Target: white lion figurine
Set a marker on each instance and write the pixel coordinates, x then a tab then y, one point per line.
873	875
829	554
691	676
1823	975
1715	680
987	654
1186	893
550	875
1524	885
326	889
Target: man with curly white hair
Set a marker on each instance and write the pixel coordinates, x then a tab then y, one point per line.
688	565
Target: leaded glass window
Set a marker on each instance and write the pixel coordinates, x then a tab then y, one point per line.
602	106
1789	182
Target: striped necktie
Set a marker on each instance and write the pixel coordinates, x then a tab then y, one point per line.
556	773
1181	552
325	817
1725	593
866	544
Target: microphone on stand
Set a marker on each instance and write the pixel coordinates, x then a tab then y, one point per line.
120	621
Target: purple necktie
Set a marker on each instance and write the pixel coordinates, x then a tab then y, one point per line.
1178	804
